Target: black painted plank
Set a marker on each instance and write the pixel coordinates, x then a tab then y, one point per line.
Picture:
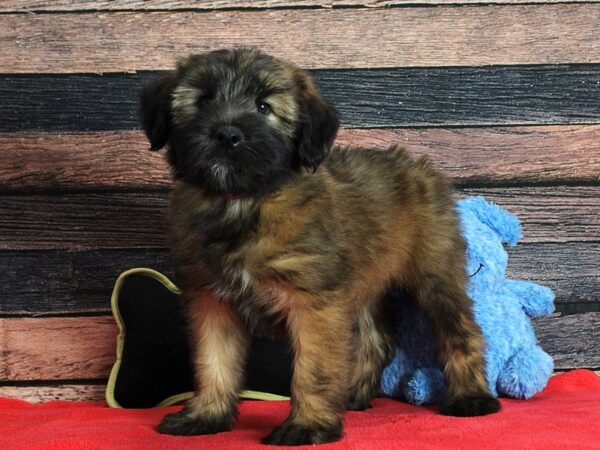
493	95
70	102
572	340
36	282
570	269
79	282
93	221
83	221
505	95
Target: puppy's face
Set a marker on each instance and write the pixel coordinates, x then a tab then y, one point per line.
238	121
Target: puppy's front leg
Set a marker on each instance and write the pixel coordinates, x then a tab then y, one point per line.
220	345
321	340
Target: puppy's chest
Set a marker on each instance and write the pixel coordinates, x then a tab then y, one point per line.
257	256
235	275
213	245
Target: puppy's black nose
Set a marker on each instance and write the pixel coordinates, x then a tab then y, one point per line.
229	135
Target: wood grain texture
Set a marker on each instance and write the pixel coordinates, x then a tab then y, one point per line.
203	5
83	221
137	220
44	282
78	392
571	340
60	281
551	214
365	98
62	392
571	270
121	160
497	95
71	392
506	155
60	348
315	38
115	160
84	347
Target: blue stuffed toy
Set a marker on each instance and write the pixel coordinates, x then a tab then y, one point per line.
516	366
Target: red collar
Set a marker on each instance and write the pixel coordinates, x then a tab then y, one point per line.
229	196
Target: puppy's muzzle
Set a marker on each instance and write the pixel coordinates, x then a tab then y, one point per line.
229	136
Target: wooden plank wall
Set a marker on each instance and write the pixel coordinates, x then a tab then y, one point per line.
504	95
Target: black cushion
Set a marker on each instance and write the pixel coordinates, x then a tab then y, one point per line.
153	366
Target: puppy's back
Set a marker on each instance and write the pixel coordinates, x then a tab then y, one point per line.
390	175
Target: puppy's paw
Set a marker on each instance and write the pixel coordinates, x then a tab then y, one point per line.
358	404
472	405
290	433
185	424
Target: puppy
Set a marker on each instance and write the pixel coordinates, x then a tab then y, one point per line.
271	232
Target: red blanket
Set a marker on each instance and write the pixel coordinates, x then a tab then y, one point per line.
565	415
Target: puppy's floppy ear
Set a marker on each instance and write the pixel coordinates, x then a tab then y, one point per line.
317	129
155	112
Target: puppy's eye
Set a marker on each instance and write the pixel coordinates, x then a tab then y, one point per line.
263	107
203	100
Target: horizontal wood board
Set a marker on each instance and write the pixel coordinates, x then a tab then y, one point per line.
137	220
121	160
62	281
451	96
58	391
210	5
57	348
70	392
571	269
57	282
54	348
312	38
571	340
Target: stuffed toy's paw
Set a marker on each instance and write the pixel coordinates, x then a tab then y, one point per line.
424	386
525	373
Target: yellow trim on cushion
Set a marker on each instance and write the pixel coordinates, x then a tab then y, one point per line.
246	395
112	379
257	395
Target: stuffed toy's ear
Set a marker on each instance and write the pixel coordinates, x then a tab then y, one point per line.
501	221
155	112
317	129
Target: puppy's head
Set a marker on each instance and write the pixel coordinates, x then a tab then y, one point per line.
238	121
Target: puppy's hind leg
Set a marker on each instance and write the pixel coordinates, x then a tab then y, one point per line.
220	345
459	343
373	347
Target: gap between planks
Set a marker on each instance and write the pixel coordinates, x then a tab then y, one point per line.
40	6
